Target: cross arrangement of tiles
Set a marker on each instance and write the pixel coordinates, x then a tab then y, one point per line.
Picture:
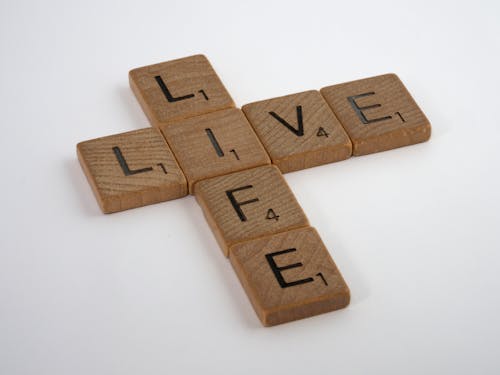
232	161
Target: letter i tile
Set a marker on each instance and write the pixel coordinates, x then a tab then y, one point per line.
214	144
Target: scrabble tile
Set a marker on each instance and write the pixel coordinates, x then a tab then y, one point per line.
214	144
378	114
289	276
179	89
248	204
299	131
131	169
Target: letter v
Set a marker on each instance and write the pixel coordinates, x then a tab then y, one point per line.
298	132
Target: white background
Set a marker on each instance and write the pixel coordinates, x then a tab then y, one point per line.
415	231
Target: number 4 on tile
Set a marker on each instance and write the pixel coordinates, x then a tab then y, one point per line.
272	215
321	132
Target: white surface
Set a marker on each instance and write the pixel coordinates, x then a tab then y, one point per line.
415	231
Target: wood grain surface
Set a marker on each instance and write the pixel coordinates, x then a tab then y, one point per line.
248	204
289	276
131	169
378	113
214	144
299	131
179	89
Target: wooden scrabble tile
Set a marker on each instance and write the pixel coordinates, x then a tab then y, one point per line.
248	204
299	131
131	169
214	144
179	89
289	276
378	114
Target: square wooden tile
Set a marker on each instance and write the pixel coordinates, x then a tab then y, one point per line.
299	131
248	204
179	89
289	276
131	169
214	144
378	113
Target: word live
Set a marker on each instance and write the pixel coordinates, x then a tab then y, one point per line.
233	160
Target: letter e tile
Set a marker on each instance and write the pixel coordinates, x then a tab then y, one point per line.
378	113
289	276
